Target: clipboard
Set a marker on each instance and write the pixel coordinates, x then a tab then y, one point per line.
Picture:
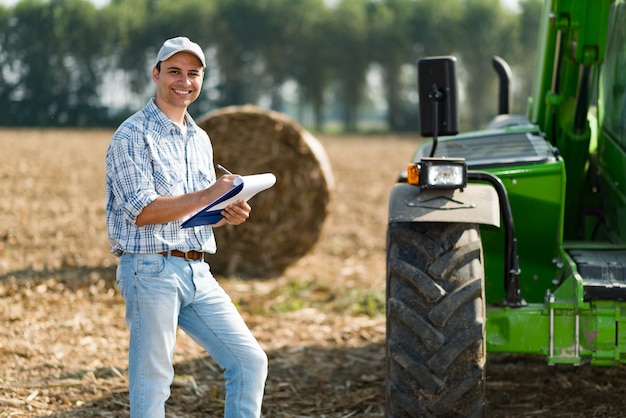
245	188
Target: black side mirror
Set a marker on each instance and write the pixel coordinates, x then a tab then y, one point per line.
436	81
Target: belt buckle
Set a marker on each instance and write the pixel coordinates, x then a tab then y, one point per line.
193	256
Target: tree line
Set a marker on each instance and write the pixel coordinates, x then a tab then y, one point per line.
59	58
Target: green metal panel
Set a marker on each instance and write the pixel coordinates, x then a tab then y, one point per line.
564	333
536	194
508	330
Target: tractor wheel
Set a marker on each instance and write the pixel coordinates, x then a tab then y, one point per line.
435	321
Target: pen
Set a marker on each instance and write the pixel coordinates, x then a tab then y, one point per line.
224	169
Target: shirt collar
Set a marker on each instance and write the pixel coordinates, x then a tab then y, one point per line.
167	122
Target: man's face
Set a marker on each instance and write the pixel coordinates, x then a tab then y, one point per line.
180	80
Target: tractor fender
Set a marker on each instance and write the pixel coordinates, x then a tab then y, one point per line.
476	203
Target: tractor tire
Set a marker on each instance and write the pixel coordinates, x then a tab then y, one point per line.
435	321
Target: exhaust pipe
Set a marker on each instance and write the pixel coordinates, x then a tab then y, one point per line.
504	76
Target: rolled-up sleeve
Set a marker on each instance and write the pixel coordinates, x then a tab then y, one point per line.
131	179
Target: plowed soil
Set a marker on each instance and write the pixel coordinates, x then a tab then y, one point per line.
63	340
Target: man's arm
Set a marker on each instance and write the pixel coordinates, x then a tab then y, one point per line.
166	209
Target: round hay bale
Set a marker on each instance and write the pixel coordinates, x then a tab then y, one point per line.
287	219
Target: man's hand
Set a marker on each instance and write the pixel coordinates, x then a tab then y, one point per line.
235	214
166	209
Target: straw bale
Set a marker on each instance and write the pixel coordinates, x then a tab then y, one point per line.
286	220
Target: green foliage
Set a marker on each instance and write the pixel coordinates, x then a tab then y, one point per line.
364	302
54	64
489	24
528	35
56	55
298	293
390	29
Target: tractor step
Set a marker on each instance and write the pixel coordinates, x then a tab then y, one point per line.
603	273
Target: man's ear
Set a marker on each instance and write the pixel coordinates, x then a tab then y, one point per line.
155	73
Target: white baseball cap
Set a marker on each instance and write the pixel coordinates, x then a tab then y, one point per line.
180	44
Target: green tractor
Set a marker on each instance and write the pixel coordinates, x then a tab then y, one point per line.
512	239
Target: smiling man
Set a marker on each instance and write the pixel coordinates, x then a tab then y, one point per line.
159	171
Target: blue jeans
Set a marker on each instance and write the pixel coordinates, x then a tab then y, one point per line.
163	292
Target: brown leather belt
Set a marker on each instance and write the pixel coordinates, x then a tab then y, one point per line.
189	255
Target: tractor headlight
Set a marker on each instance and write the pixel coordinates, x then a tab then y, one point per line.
438	173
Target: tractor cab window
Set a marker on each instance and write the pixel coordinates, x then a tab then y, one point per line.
613	84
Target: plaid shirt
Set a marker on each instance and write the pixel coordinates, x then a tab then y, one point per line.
149	157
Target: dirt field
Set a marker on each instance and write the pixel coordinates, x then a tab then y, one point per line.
63	340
